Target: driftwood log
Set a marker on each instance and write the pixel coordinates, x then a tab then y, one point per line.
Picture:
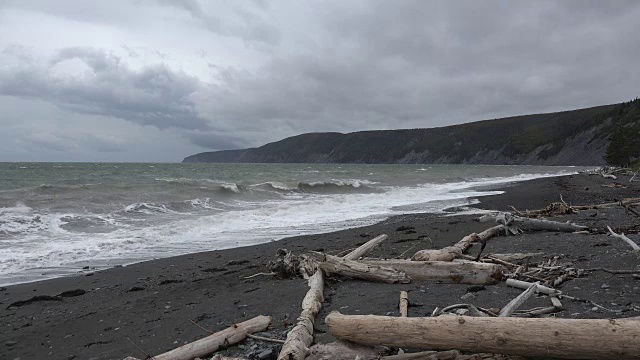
449	355
448	253
519	284
366	248
563	338
404	304
359	270
562	208
300	338
213	342
464	272
515	304
621	236
517	223
341	350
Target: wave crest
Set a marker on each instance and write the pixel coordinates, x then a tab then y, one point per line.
331	186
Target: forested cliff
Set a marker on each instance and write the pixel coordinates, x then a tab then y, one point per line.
577	137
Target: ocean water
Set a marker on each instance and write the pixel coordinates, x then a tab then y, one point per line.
56	218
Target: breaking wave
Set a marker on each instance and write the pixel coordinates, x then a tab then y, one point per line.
320	187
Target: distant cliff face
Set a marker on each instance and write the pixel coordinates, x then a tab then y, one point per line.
578	137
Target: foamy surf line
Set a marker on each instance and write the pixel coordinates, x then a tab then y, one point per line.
268	222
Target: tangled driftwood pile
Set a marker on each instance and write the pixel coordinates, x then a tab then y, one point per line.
504	332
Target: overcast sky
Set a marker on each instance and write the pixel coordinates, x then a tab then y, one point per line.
157	80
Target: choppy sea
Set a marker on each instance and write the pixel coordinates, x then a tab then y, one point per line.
56	218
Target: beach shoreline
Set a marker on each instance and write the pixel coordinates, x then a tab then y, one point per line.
154	304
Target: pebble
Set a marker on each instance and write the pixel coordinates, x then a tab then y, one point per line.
265	354
595	308
604	286
467	296
10	343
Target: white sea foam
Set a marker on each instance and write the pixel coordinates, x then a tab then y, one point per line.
236	223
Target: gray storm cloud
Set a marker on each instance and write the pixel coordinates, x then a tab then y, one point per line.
105	86
220	76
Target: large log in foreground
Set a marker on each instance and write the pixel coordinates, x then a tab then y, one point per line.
213	342
563	338
445	271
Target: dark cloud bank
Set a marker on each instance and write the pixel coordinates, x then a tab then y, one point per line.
329	66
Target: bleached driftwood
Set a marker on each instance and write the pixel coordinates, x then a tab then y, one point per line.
448	253
517	223
463	272
365	248
359	270
515	304
426	355
621	236
213	342
341	350
519	284
490	232
563	338
404	304
562	208
300	337
449	355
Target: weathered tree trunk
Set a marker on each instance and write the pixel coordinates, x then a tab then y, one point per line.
563	338
365	248
547	225
341	350
491	232
449	355
451	272
426	355
360	270
448	253
300	337
563	208
213	342
515	223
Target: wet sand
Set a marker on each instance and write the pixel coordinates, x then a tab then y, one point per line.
151	307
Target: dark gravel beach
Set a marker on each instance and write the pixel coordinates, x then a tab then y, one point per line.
151	307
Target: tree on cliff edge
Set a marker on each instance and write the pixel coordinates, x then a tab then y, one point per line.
624	145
